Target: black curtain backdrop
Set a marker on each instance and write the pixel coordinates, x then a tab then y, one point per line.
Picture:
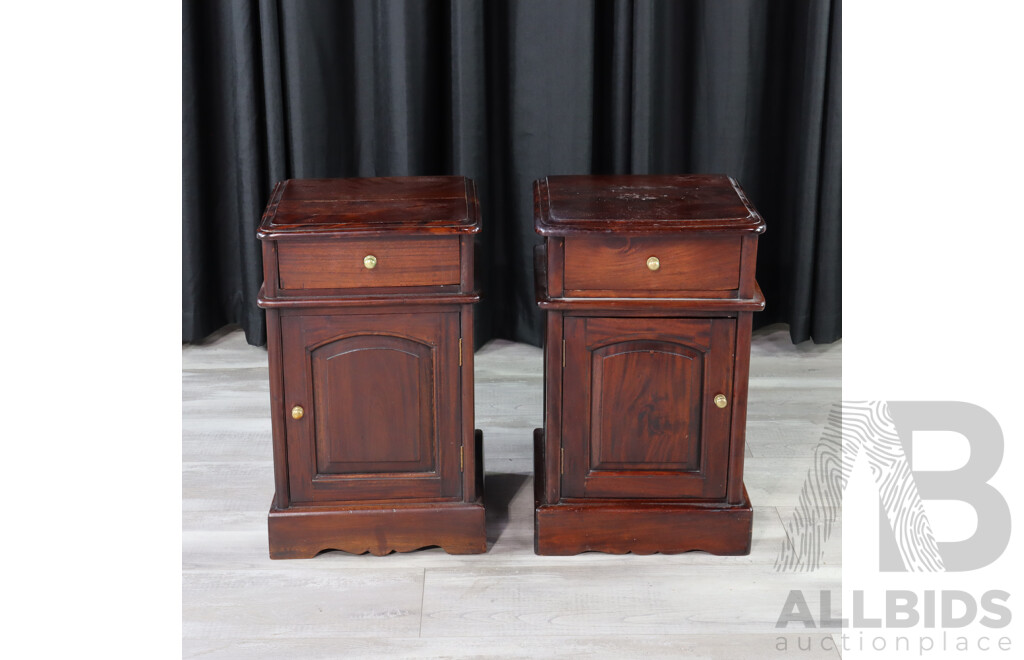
507	92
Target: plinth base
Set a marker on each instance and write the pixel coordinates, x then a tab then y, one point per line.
301	532
642	526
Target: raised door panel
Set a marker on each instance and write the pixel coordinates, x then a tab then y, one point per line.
373	401
645	415
639	419
379	393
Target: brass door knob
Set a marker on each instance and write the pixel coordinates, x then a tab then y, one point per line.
721	401
370	261
653	263
297	412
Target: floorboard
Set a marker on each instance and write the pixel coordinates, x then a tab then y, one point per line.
237	603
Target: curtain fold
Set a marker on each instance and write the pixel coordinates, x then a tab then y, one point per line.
506	92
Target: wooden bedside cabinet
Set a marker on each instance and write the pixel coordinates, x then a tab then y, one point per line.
648	287
368	287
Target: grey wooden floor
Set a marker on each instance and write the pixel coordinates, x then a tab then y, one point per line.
237	603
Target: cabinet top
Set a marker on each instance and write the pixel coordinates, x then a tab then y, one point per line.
385	205
565	205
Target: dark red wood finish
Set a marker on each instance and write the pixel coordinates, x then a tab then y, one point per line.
636	456
653	430
375	428
338	264
382	456
581	204
389	205
616	266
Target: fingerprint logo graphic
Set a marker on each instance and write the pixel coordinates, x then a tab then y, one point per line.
820	504
852	429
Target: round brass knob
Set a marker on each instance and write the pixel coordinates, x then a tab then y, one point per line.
653	263
721	401
370	261
297	412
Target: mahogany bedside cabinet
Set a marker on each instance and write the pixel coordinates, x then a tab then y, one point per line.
648	287
368	290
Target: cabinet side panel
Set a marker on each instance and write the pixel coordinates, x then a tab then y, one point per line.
748	264
277	422
467	248
555	266
270	284
447	406
575	408
741	375
297	386
469	466
553	355
719	375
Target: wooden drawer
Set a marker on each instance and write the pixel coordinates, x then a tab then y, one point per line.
340	263
610	265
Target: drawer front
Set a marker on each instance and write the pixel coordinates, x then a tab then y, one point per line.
344	264
609	265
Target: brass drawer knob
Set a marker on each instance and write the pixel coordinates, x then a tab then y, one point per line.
370	261
297	412
653	263
721	401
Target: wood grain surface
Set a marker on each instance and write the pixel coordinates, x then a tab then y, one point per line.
567	205
338	264
619	263
373	450
397	205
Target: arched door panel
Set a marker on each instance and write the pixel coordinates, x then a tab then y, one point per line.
370	387
374	399
639	419
645	406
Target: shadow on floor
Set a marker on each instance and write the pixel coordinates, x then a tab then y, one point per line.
499	490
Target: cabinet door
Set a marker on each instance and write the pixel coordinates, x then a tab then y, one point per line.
639	418
380	398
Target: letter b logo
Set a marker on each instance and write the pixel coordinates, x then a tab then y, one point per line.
967	484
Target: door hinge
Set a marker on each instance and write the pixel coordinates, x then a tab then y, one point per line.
563	354
561	463
462	459
460	351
